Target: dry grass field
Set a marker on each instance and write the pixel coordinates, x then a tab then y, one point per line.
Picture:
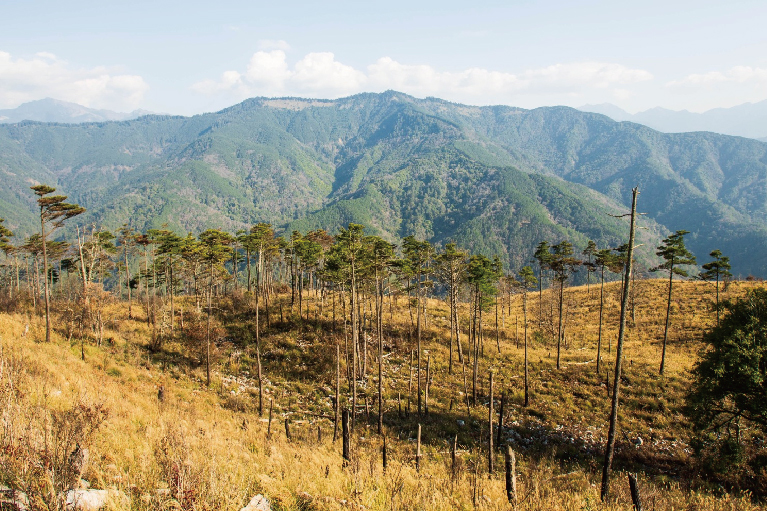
208	449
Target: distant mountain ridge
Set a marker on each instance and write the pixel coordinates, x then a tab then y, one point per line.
746	120
54	110
495	179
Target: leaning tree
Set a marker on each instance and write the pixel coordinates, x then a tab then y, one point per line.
53	211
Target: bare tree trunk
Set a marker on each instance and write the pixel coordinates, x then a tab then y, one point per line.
418	330
610	450
207	330
668	317
559	333
524	311
338	391
45	269
601	308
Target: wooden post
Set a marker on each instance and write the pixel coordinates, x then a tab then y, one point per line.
500	420
384	454
511	476
490	426
635	492
410	379
346	438
399	403
453	453
338	389
269	427
418	451
428	381
287	429
319	434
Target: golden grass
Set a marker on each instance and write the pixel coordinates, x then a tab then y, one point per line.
210	449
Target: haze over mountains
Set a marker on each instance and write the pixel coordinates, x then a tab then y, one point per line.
746	120
54	110
496	179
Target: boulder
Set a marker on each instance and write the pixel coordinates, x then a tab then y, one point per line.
91	500
13	499
258	503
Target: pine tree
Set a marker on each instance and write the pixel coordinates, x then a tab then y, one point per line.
347	257
451	266
215	249
527	281
418	256
6	247
379	264
715	270
675	254
604	260
55	211
562	264
590	251
482	276
543	256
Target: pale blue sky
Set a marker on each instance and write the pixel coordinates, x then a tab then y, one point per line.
189	57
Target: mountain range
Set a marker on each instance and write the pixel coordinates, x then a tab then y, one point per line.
54	110
495	179
746	120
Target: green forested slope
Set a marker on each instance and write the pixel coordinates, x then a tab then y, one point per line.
495	179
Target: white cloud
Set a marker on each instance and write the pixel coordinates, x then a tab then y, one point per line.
318	72
735	75
45	75
320	75
599	75
273	44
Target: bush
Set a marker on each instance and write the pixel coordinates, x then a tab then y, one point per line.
726	402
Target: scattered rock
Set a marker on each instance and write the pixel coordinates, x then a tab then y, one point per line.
91	500
460	423
13	500
258	503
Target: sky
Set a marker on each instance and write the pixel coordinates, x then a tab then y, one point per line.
192	57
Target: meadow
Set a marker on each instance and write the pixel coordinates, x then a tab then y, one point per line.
207	447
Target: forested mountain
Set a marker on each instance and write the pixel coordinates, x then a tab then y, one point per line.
495	179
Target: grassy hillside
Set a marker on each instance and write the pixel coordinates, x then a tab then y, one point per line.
207	448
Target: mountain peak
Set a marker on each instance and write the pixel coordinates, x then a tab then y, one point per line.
56	110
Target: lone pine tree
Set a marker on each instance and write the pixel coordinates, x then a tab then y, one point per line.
675	254
716	270
55	211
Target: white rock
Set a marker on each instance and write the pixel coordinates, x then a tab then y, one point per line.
91	500
258	503
13	499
